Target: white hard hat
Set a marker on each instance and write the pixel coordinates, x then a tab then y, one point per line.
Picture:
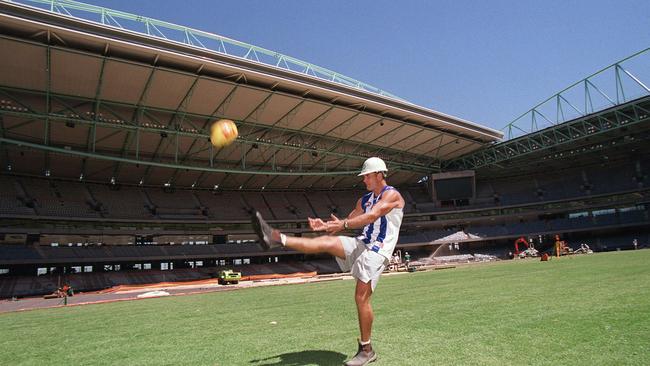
373	165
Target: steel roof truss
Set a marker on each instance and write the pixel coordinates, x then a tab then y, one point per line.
171	123
92	131
568	132
139	110
261	105
281	129
17	101
321	117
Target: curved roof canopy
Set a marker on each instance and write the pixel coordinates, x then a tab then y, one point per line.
79	97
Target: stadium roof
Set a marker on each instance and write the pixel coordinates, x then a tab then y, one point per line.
606	111
96	98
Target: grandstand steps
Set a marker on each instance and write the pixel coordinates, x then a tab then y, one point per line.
319	203
256	201
197	202
148	203
311	206
7	287
279	206
300	201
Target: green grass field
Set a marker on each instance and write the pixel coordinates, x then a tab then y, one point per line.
584	310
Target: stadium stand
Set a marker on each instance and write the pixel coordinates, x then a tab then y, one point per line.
589	185
301	204
583	204
280	206
12	202
320	203
223	205
256	200
126	203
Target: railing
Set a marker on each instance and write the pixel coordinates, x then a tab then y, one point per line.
195	38
611	86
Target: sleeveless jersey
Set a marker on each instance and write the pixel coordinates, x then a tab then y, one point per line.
381	236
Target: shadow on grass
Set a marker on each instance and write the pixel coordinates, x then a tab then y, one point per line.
318	358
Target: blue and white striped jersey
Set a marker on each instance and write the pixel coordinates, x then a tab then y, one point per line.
381	236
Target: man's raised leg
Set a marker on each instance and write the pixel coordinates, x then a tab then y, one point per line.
270	238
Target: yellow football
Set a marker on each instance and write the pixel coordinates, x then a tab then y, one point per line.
223	132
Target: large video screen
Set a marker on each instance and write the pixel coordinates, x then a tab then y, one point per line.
454	188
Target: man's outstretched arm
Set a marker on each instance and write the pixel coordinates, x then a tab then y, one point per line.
389	201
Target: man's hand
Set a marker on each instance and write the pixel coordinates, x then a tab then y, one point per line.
334	225
317	224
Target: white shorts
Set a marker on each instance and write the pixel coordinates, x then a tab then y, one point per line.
364	264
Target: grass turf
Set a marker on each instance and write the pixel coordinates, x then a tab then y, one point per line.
583	310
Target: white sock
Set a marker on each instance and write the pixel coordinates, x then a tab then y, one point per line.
283	239
364	343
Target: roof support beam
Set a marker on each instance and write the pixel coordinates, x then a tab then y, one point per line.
406	157
81	153
631	113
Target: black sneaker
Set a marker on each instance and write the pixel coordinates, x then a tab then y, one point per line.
364	356
269	237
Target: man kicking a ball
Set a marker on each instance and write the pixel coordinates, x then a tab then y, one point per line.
379	212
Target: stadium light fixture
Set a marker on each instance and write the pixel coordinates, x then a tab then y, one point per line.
113	180
9	167
47	172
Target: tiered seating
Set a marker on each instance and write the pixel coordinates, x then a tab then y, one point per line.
223	205
280	207
321	203
419	195
572	184
345	201
75	196
425	207
238	248
409	202
633	217
256	201
526	227
75	199
181	204
568	224
126	203
300	202
9	203
7	287
612	180
408	238
47	202
191	250
604	220
488	231
516	192
18	252
553	187
484	191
